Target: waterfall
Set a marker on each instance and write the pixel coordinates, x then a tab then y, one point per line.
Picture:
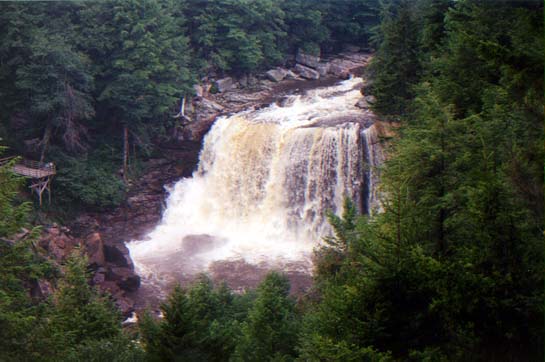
265	182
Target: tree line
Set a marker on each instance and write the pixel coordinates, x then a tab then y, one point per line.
451	270
83	83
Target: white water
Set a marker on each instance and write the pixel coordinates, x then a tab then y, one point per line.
265	181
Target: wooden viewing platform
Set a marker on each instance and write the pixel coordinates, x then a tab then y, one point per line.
40	174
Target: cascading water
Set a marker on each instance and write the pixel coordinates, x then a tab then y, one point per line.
265	181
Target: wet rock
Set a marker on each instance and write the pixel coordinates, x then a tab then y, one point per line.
208	106
94	247
339	70
370	99
117	255
57	243
285	101
124	278
277	75
308	60
225	84
362	103
323	69
124	304
291	75
307	72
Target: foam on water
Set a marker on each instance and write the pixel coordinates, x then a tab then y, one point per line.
265	181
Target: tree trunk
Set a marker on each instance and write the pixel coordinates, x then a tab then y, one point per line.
125	153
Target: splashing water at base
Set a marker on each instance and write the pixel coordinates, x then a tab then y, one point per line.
265	181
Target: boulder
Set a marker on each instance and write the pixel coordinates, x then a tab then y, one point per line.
57	243
277	75
199	90
291	75
225	84
95	249
208	106
117	255
308	60
124	278
323	69
370	99
307	72
362	103
339	70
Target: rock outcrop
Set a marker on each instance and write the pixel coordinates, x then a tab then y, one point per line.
306	72
308	60
277	74
225	84
114	275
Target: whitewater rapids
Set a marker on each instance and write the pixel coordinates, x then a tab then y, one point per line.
265	181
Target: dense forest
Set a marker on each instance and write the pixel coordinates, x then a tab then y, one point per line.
81	80
451	270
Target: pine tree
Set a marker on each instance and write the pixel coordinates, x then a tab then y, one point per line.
269	333
397	63
141	67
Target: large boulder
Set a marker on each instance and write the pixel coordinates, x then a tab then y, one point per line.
56	241
117	255
277	75
225	84
307	72
125	278
323	69
339	70
308	60
95	249
292	75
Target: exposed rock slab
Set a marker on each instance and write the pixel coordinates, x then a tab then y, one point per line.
308	60
277	75
225	84
306	72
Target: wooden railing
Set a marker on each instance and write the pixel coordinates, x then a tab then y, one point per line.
37	165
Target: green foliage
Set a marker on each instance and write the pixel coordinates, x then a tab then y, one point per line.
269	333
117	349
236	36
452	269
81	313
13	216
89	180
199	324
397	63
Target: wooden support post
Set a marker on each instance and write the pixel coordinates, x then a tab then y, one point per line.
42	185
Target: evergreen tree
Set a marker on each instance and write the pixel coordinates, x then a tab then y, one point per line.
141	58
80	315
198	324
269	333
21	267
397	62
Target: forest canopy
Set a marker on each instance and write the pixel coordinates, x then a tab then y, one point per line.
450	270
